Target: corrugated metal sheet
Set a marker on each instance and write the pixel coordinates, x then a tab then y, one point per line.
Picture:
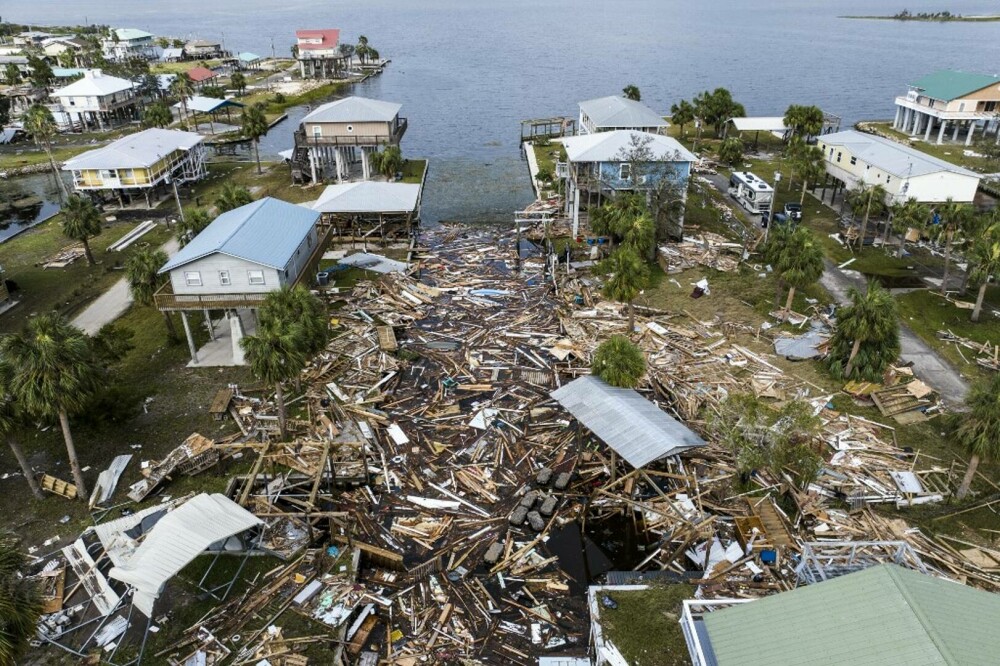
883	615
177	539
135	151
266	232
895	158
94	83
639	431
620	112
354	110
610	146
369	197
760	124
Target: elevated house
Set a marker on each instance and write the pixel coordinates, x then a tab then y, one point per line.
141	166
607	114
882	615
319	54
128	43
343	134
371	209
238	259
248	60
31	38
54	47
949	102
602	164
204	48
98	99
852	158
201	76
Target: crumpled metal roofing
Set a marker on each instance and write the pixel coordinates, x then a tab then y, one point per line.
635	428
176	540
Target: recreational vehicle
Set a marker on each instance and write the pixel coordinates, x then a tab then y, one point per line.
751	191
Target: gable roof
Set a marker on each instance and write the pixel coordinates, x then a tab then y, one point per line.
265	232
199	74
882	615
94	83
621	112
948	84
632	426
369	196
354	110
894	158
135	151
329	39
610	146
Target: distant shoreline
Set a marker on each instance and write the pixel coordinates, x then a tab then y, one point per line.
986	18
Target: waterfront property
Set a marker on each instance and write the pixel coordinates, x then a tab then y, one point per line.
210	106
129	43
949	102
204	48
340	136
319	54
600	165
201	76
370	209
141	166
237	259
98	99
248	60
54	47
618	113
886	614
852	158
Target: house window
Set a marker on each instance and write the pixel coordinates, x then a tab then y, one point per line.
625	172
224	278
350	129
317	131
192	278
887	179
838	155
255	277
854	160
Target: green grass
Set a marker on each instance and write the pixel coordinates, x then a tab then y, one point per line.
413	171
24	154
177	67
547	156
926	313
645	627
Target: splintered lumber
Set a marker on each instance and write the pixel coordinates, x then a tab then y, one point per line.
387	339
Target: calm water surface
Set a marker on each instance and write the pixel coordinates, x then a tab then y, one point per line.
468	71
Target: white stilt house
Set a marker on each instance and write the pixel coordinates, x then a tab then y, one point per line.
950	105
343	134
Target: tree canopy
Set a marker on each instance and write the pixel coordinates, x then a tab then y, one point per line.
979	428
619	362
804	121
632	92
866	340
80	222
716	107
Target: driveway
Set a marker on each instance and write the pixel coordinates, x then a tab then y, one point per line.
114	302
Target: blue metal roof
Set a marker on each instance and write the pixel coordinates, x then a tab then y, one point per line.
246	56
264	232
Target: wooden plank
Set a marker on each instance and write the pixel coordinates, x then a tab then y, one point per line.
58	487
387	338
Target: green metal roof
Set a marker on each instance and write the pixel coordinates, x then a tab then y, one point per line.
882	615
948	84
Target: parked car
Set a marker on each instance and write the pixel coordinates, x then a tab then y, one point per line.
793	211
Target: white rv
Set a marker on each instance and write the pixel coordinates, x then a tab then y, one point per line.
751	191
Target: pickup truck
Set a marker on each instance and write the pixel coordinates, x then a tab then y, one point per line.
793	212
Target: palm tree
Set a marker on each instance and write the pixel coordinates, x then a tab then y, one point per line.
182	86
254	127
298	306
907	215
800	262
274	357
985	259
192	225
804	120
954	218
11	74
10	425
54	373
81	222
38	122
874	198
632	92
731	151
628	276
143	276
614	217
389	162
157	115
810	165
232	197
361	50
619	362
979	429
867	336
239	82
681	114
20	602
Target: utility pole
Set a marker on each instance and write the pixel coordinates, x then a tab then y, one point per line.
177	198
774	202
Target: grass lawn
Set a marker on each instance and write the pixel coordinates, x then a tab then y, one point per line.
645	627
177	67
26	154
547	155
926	313
413	171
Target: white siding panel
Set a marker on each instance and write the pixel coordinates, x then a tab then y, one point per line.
209	268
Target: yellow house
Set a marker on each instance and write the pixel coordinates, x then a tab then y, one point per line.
145	163
949	101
